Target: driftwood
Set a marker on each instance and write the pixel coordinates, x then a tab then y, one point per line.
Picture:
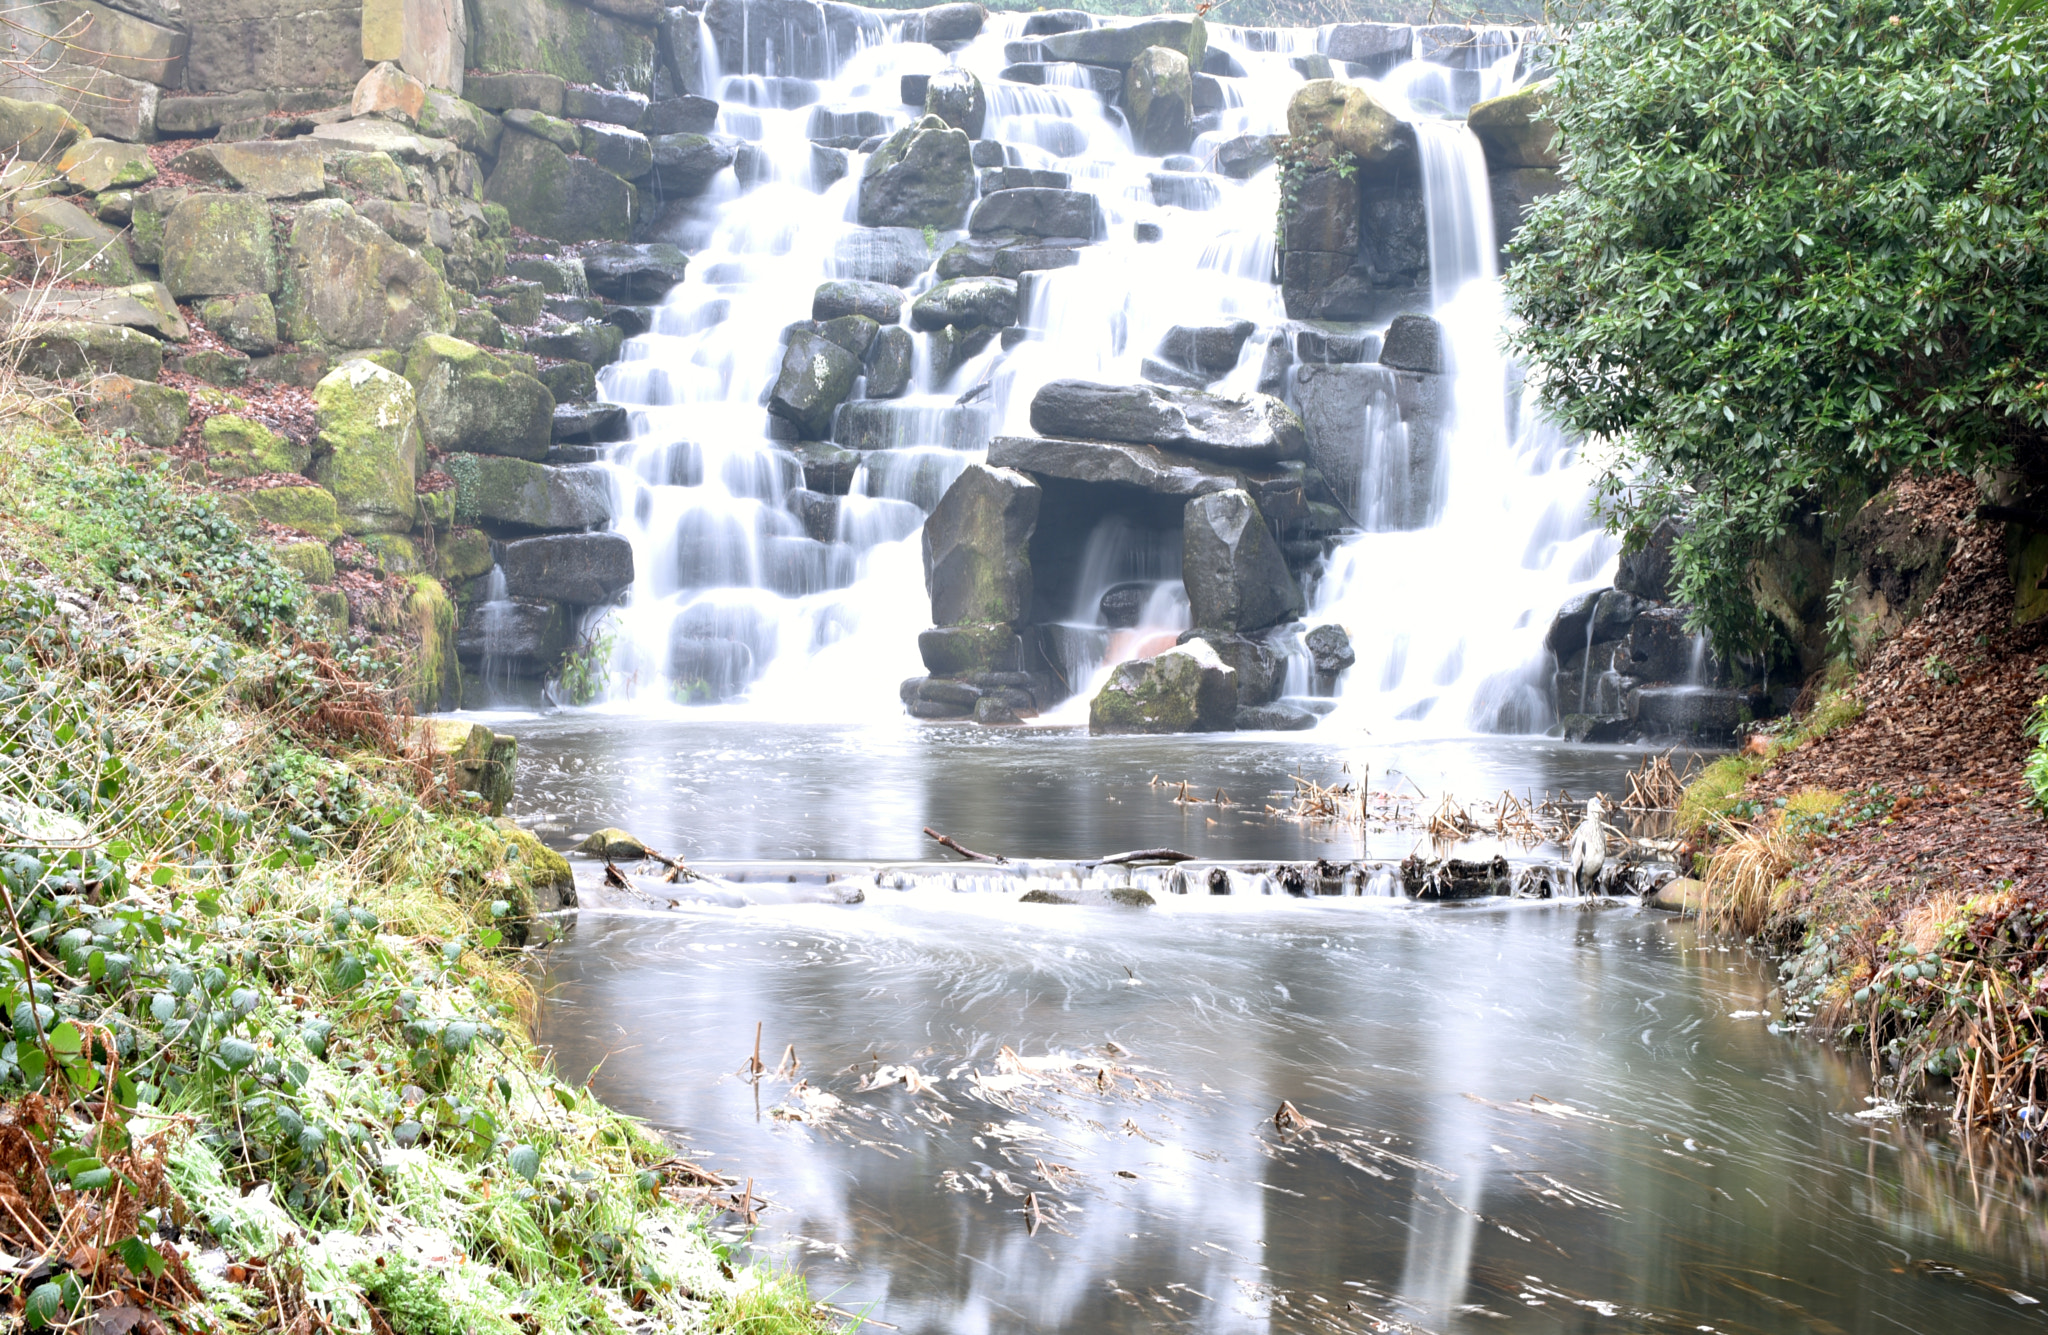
946	841
1145	855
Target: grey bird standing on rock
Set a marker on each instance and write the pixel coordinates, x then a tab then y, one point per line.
1589	847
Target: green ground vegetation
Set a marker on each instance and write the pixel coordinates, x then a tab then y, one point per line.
264	1051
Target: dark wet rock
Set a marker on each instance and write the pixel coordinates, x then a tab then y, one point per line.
1106	82
958	651
1121	607
827	467
1247	155
1235	575
1455	878
1159	96
1211	349
1184	190
855	333
1259	671
967	303
977	547
1330	648
1166	373
1322	347
921	176
585	569
1023	178
1278	717
1035	211
889	363
1658	648
956	97
591	423
893	255
1645	569
1240	429
1185	689
1093	461
879	302
623	272
817	375
1049	21
1413	343
1693	712
1590	618
1117	47
1016	261
684	164
688	114
526	635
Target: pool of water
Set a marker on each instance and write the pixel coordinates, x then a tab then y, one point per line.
748	789
1009	1117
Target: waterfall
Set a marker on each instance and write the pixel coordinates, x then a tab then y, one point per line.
758	594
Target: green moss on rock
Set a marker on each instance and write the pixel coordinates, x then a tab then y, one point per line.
367	451
239	447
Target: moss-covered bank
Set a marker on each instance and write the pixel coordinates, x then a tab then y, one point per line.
265	1060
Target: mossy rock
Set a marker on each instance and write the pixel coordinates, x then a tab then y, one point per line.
464	554
312	560
551	194
217	245
1350	118
152	414
324	614
433	678
1186	689
537	869
372	173
310	510
94	165
1515	130
239	447
37	131
246	322
613	845
396	553
473	401
84	249
437	509
74	349
574	43
368	448
347	284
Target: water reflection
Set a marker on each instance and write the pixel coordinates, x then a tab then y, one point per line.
1530	1117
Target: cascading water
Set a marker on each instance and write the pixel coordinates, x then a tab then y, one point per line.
778	602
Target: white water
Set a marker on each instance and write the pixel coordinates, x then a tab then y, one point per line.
735	603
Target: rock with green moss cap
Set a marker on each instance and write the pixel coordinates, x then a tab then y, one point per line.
468	126
464	554
94	165
396	554
549	193
1349	118
313	562
239	447
216	245
246	322
613	845
539	870
514	495
475	402
1516	130
153	414
367	451
372	173
347	284
84	249
1185	689
310	510
324	614
72	349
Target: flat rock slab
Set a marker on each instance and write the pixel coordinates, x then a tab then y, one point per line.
374	135
1143	466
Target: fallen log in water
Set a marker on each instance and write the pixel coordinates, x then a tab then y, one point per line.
947	841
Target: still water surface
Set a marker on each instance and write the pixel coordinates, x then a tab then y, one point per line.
1533	1117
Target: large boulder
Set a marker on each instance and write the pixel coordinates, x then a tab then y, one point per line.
634	273
1515	129
95	165
880	302
515	495
921	176
310	510
977	559
155	415
551	194
75	349
967	303
37	131
1260	672
286	169
1240	429
891	358
576	44
238	446
1208	350
585	569
1414	343
1037	211
817	375
1159	94
1235	576
367	446
1146	467
1117	47
1185	689
684	164
347	284
79	247
956	97
1349	118
465	124
1645	568
478	402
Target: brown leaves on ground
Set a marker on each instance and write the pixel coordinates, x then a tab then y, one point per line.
1959	743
